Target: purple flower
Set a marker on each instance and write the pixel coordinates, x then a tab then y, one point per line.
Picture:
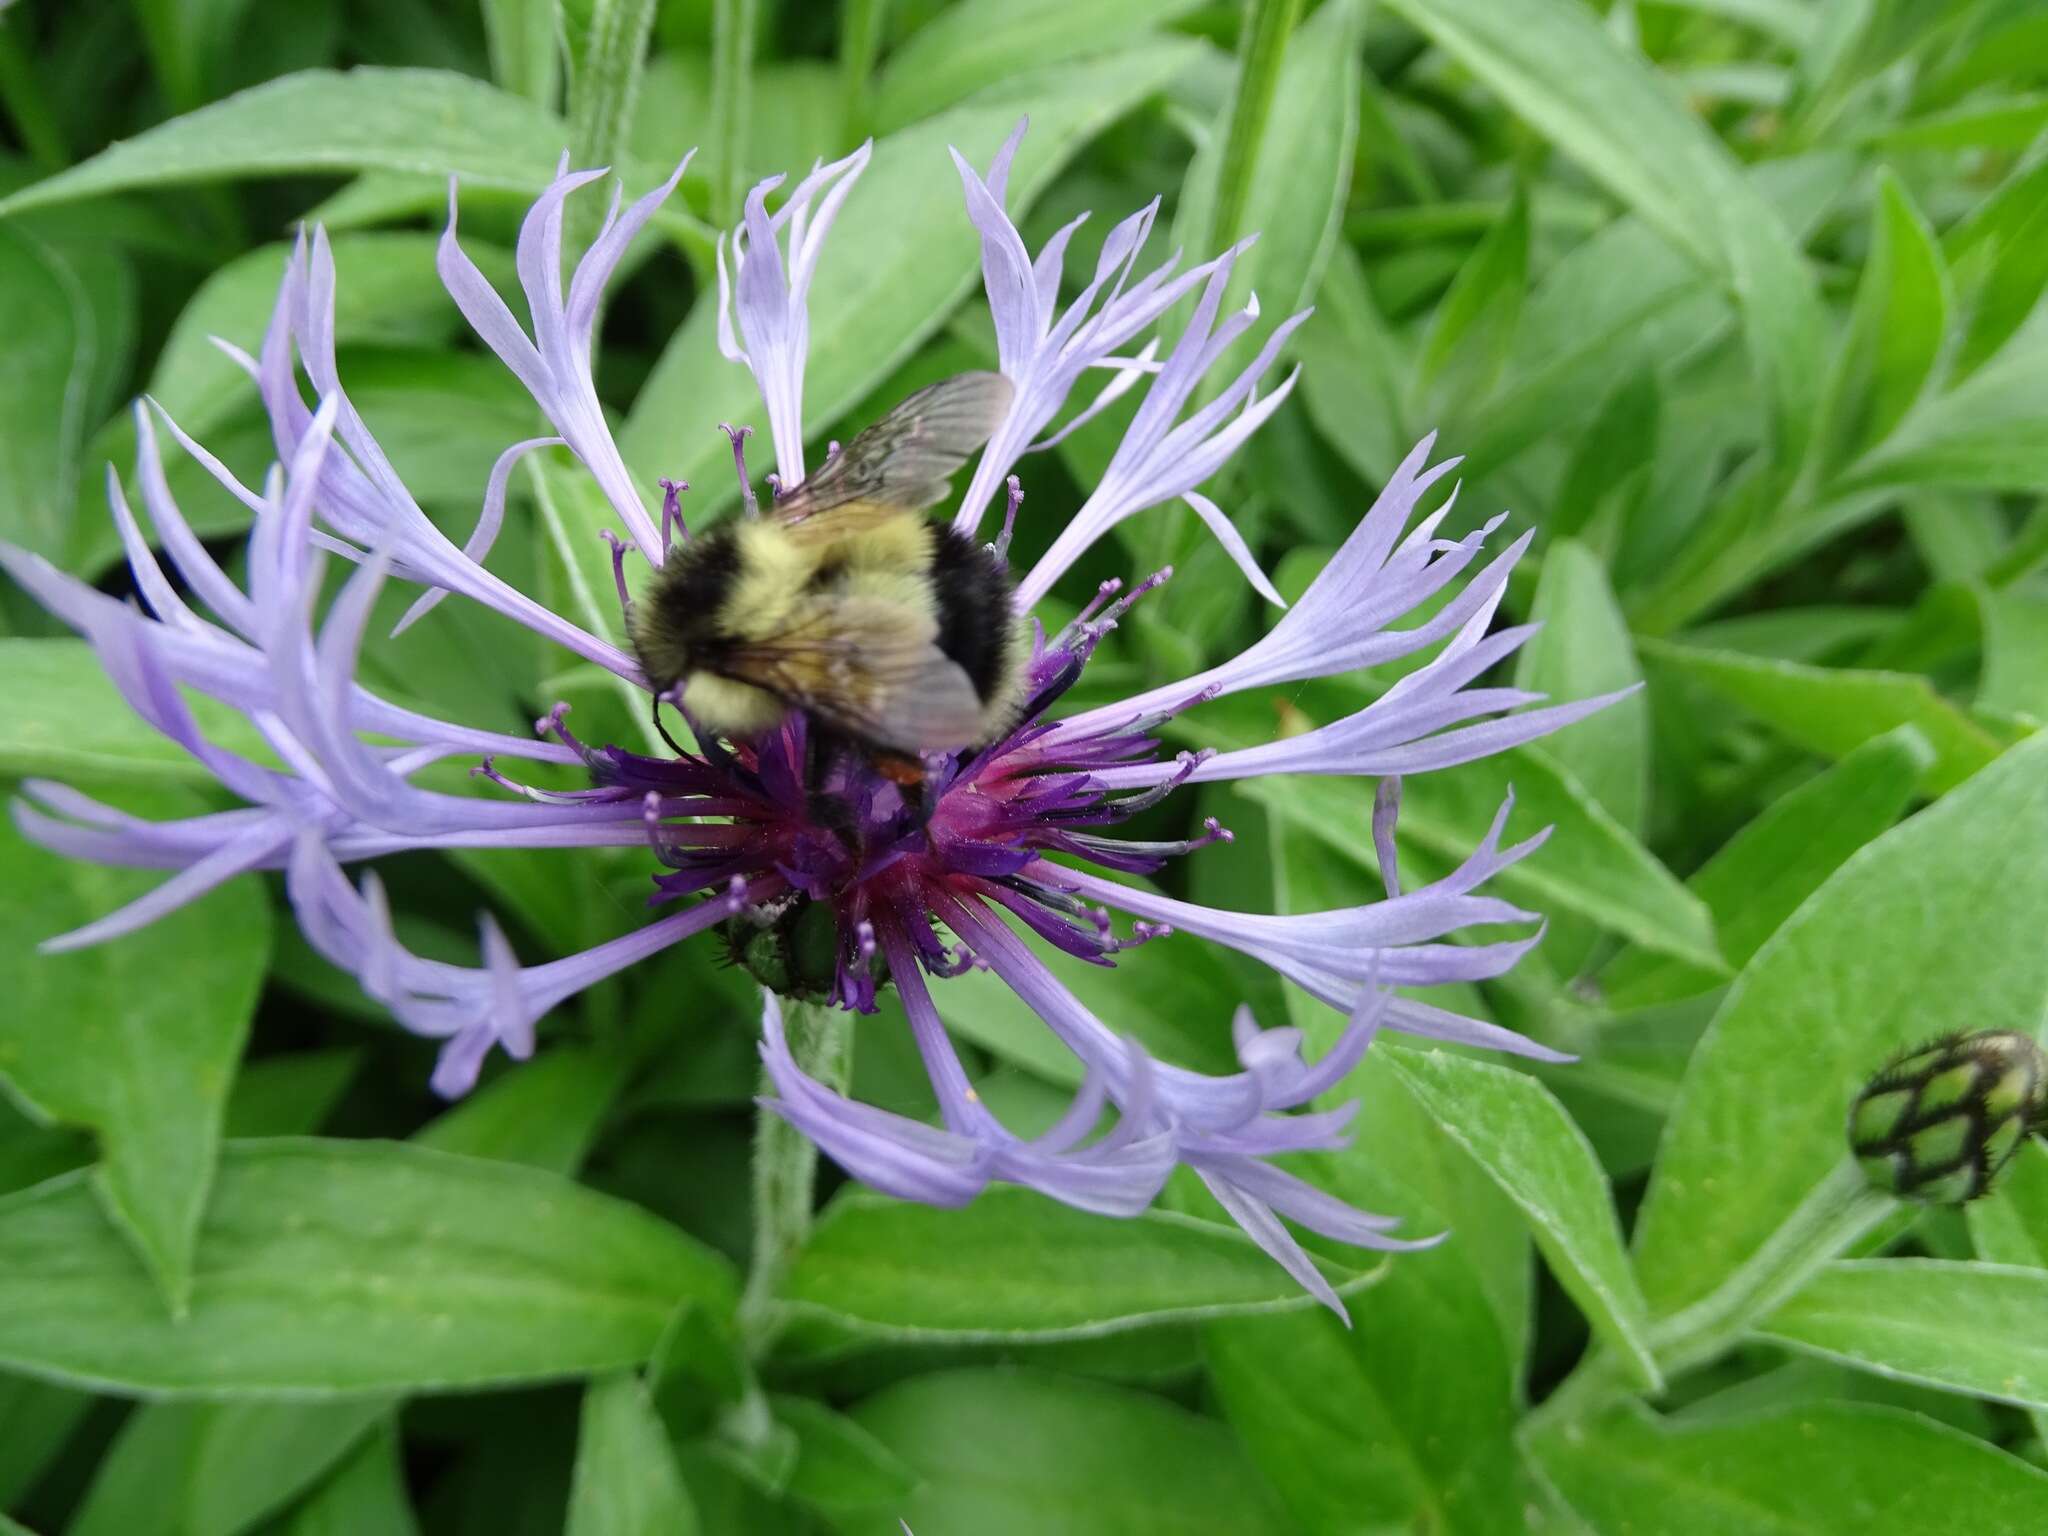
833	878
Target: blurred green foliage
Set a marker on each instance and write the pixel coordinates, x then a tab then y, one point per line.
1736	303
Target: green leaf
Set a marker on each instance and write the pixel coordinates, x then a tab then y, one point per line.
386	295
244	1460
152	1452
1582	650
1402	1421
423	120
979	43
1554	65
1895	330
1396	1427
2008	269
330	1267
1864	967
1834	710
1351	371
365	1497
1591	867
1017	1266
1020	1453
67	720
1761	875
627	1483
251	1459
1611	466
902	253
1542	1161
544	1115
290	1094
839	1465
2011	1225
188	41
37	1419
1581	335
607	44
53	350
1296	173
1988	123
1817	1470
1990	432
521	38
136	1039
1472	329
733	30
1967	1327
2015	679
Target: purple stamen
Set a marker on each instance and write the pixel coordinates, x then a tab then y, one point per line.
1103	593
488	769
619	564
1001	547
739	436
672	523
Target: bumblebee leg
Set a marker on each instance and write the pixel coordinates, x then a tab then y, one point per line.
662	730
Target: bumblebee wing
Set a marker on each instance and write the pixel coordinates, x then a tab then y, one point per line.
899	464
868	666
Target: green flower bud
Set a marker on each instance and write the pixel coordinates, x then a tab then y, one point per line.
792	948
1940	1120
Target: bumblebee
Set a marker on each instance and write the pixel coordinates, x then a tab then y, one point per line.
843	601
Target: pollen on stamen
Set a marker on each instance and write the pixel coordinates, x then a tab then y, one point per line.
1122	605
1103	593
1142	932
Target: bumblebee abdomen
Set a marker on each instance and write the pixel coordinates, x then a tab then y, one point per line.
976	616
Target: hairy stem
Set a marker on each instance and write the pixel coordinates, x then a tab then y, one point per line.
1262	47
860	41
786	1164
732	84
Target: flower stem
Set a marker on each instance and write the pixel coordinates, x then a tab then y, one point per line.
860	40
1841	1211
786	1163
1262	46
606	62
521	42
732	82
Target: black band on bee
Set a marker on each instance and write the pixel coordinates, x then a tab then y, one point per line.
972	596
